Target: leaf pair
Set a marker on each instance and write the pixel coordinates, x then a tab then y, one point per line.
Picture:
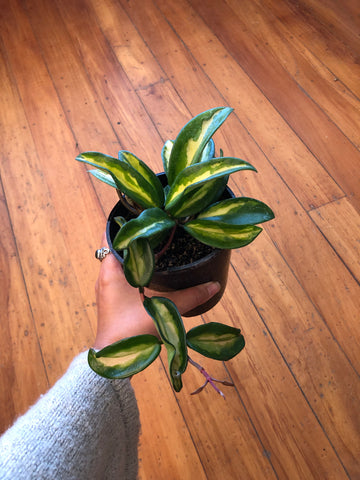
128	174
230	223
188	147
132	355
193	189
197	179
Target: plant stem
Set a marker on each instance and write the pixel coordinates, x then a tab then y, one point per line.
142	294
209	379
167	244
127	205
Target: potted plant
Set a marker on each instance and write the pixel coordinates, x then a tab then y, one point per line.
190	199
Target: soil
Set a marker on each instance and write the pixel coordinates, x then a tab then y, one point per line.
184	249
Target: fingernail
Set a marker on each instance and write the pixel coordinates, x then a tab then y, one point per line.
213	287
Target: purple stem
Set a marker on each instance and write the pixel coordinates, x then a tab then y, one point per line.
208	379
168	243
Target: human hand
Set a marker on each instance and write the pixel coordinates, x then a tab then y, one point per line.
121	313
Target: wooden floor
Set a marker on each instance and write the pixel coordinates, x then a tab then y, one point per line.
127	74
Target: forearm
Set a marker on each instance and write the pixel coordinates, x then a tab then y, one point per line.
84	427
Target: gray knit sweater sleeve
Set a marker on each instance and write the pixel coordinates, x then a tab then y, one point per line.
85	427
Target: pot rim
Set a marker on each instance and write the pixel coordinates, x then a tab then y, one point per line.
169	270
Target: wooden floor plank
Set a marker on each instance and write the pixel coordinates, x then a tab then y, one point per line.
341	19
320	368
309	72
340	224
216	443
113	88
272	396
167	449
31	174
22	371
85	114
309	122
321	40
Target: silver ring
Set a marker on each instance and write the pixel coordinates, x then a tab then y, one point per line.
101	253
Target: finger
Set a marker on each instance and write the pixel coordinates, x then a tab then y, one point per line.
189	298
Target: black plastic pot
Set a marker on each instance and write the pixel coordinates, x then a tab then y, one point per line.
213	267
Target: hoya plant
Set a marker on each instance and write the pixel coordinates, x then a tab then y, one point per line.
191	200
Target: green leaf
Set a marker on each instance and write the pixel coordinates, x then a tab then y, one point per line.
216	340
209	151
238	211
193	137
104	177
145	171
139	263
120	221
222	235
196	200
199	174
148	224
165	154
126	178
126	357
171	330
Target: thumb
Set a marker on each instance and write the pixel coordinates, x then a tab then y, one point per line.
192	297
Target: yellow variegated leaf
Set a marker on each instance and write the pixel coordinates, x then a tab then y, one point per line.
126	178
196	199
171	330
126	357
165	154
104	177
193	137
139	263
145	171
222	235
148	224
200	173
238	211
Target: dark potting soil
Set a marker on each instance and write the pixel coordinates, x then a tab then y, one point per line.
184	249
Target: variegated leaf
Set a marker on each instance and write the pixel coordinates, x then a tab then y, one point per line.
104	177
120	221
222	235
193	137
196	200
199	174
171	330
126	357
209	151
148	224
145	171
238	211
216	340
139	263
126	178
165	154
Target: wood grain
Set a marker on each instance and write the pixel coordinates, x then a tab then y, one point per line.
342	232
127	74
